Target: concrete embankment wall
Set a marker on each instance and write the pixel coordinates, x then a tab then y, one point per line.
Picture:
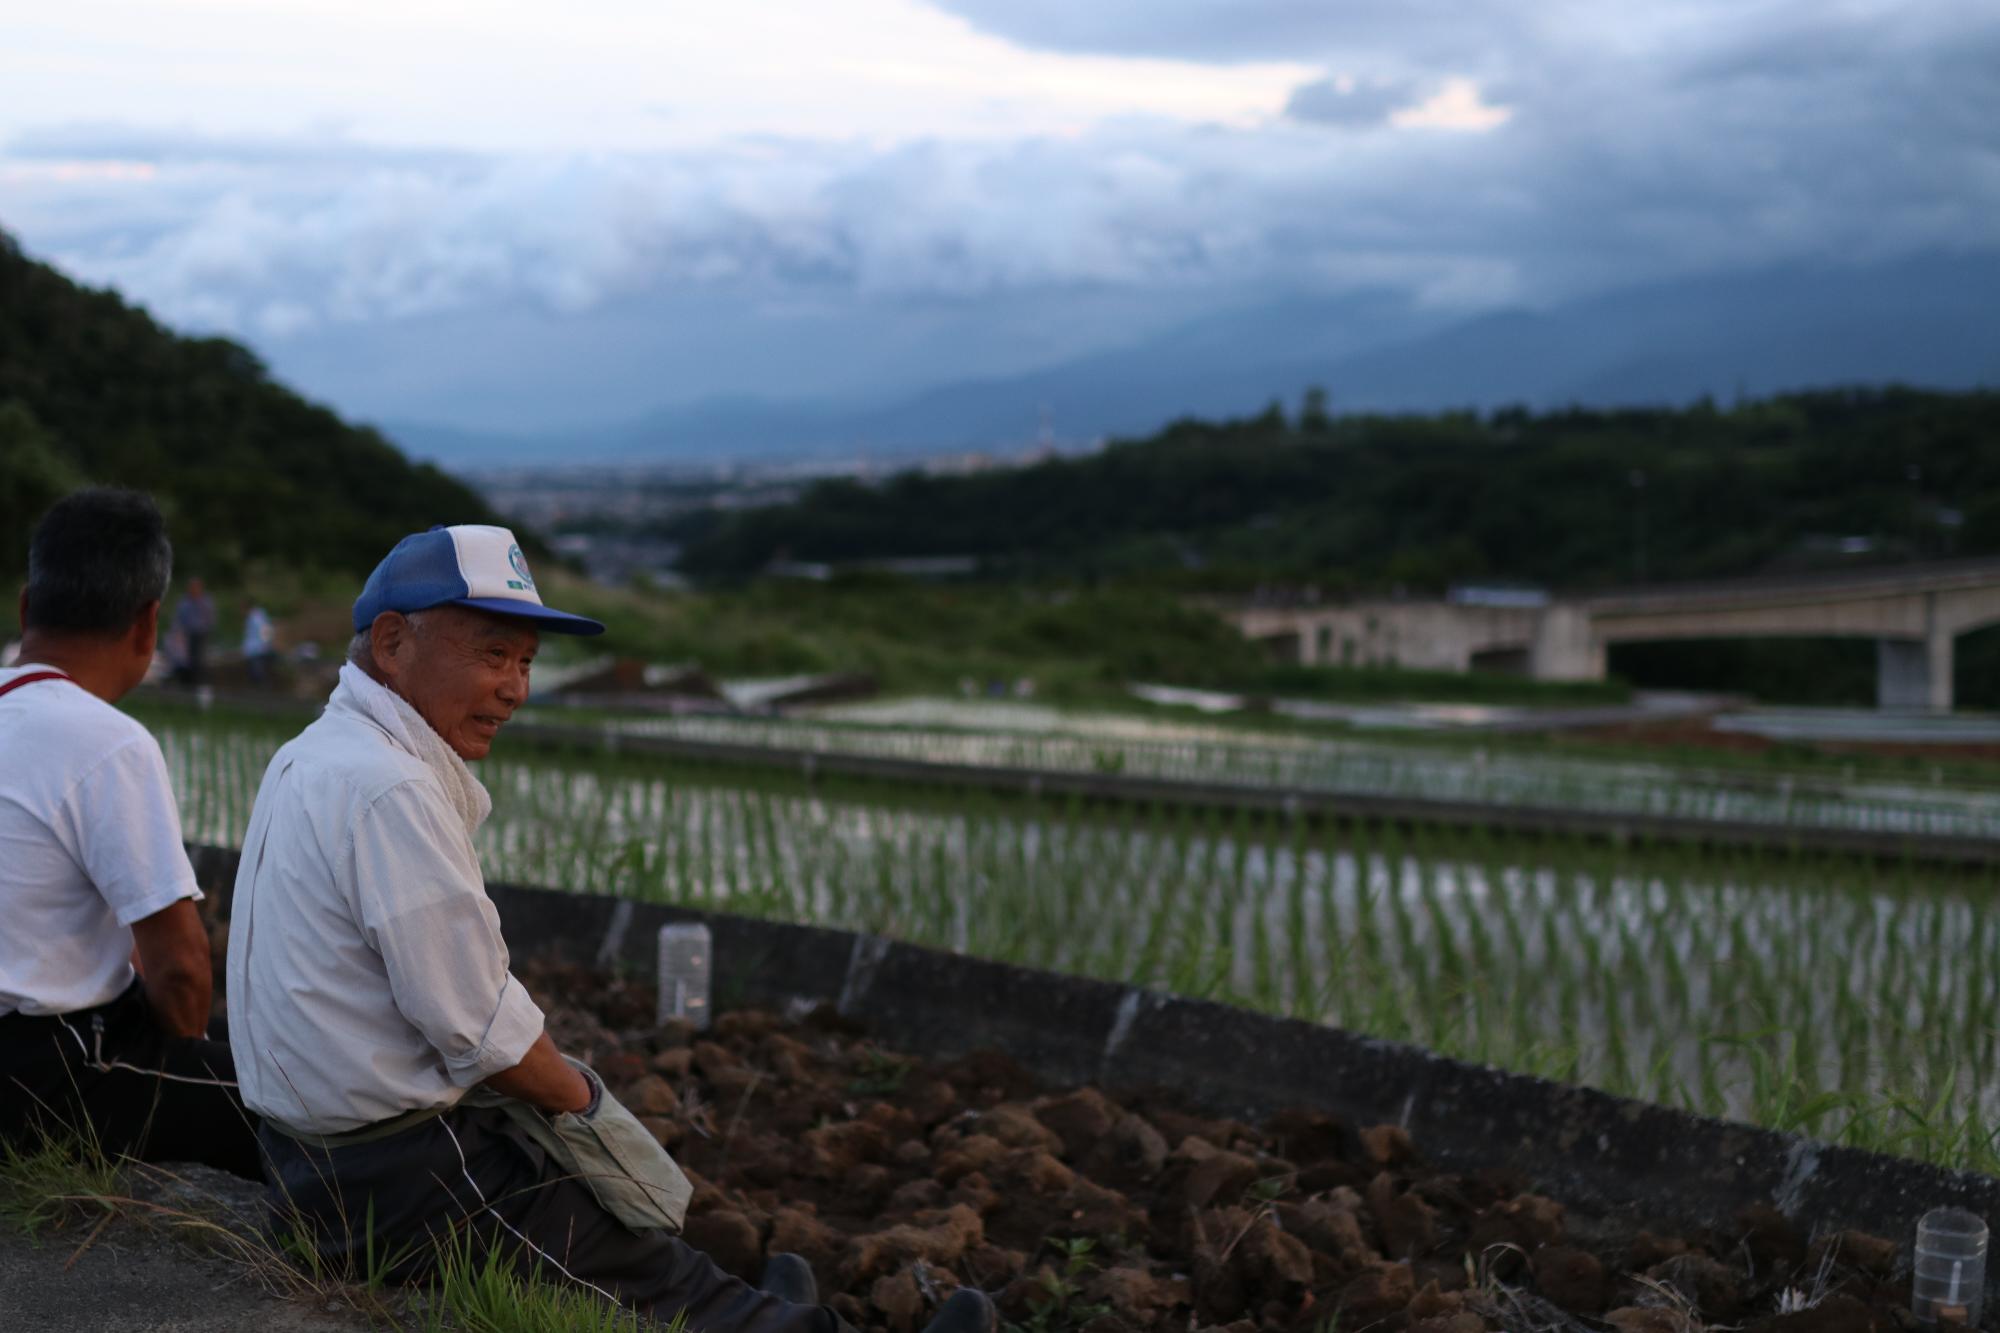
1592	1150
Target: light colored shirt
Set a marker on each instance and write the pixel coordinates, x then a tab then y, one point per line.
90	841
367	973
257	632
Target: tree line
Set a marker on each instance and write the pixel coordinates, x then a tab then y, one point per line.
1574	498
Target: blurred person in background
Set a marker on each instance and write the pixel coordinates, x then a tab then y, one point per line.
173	651
405	1077
96	875
260	643
194	621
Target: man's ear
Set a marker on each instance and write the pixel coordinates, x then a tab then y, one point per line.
146	630
389	636
22	613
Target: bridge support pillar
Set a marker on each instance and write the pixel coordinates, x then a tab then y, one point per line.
1914	675
1565	647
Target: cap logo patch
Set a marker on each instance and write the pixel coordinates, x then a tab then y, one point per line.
526	582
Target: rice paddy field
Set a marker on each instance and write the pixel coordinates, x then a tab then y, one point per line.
1192	752
1850	1000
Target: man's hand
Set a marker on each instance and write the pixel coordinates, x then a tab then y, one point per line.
171	954
544	1079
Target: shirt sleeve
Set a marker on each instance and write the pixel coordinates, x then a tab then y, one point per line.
424	907
125	831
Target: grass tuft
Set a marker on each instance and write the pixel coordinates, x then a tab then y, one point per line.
54	1183
474	1292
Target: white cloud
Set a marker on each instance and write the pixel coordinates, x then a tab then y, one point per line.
329	166
611	75
1458	105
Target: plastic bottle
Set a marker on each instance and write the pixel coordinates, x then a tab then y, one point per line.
1949	1282
684	972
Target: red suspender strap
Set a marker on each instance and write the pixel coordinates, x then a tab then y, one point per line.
30	679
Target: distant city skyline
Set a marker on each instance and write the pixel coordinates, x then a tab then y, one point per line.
514	216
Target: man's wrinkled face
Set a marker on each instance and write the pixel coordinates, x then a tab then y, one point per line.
463	670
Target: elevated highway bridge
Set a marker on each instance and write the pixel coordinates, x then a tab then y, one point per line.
1913	613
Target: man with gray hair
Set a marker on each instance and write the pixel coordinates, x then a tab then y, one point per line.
404	1074
96	876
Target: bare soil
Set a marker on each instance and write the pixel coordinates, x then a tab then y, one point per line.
900	1179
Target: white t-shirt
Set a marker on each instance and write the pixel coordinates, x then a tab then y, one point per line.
90	841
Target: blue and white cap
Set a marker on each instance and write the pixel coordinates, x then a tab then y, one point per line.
471	565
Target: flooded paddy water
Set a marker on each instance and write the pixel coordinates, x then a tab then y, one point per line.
1843	998
1034	737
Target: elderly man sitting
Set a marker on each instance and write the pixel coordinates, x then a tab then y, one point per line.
369	989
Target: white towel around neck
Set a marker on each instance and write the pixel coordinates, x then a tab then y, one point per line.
407	728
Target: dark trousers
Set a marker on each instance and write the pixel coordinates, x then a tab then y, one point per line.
471	1177
111	1075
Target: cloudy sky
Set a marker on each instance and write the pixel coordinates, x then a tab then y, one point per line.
505	214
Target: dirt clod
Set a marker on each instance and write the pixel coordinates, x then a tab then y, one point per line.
1376	1293
712	1058
1137	1294
1517	1228
652	1095
1309	1137
1572	1278
1218	1285
1209	1174
1017	1127
1647	1250
1387	1145
1710	1286
1079	1120
935	1237
673	1063
899	1301
834	1151
803	1234
1464	1321
1040	1172
1132	1152
1408	1226
1838	1313
1331	1225
731	1239
1651	1319
978	1152
973	1191
1858	1250
1432	1301
1275	1265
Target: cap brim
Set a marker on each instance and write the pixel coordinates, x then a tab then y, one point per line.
544	617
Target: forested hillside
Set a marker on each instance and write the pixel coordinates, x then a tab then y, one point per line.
1571	499
250	473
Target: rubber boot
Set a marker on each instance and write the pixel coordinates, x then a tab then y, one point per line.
966	1310
789	1277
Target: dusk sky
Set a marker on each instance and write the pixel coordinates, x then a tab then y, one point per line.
529	215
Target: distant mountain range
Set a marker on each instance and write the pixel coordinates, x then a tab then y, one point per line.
1929	321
